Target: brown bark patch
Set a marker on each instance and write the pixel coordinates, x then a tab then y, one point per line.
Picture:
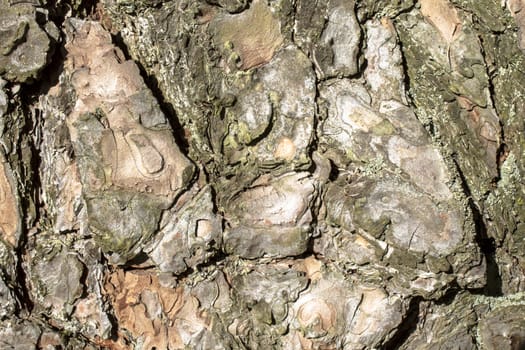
517	10
285	149
255	34
9	215
147	311
442	15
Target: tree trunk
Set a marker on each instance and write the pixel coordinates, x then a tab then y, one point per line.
264	174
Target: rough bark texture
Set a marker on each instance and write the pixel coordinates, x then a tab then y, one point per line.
264	174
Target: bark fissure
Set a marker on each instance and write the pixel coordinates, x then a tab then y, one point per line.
486	243
408	327
153	85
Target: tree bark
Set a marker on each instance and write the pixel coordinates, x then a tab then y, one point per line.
264	174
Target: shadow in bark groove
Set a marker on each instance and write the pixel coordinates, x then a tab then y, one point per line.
30	200
407	327
137	262
487	244
406	80
153	84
